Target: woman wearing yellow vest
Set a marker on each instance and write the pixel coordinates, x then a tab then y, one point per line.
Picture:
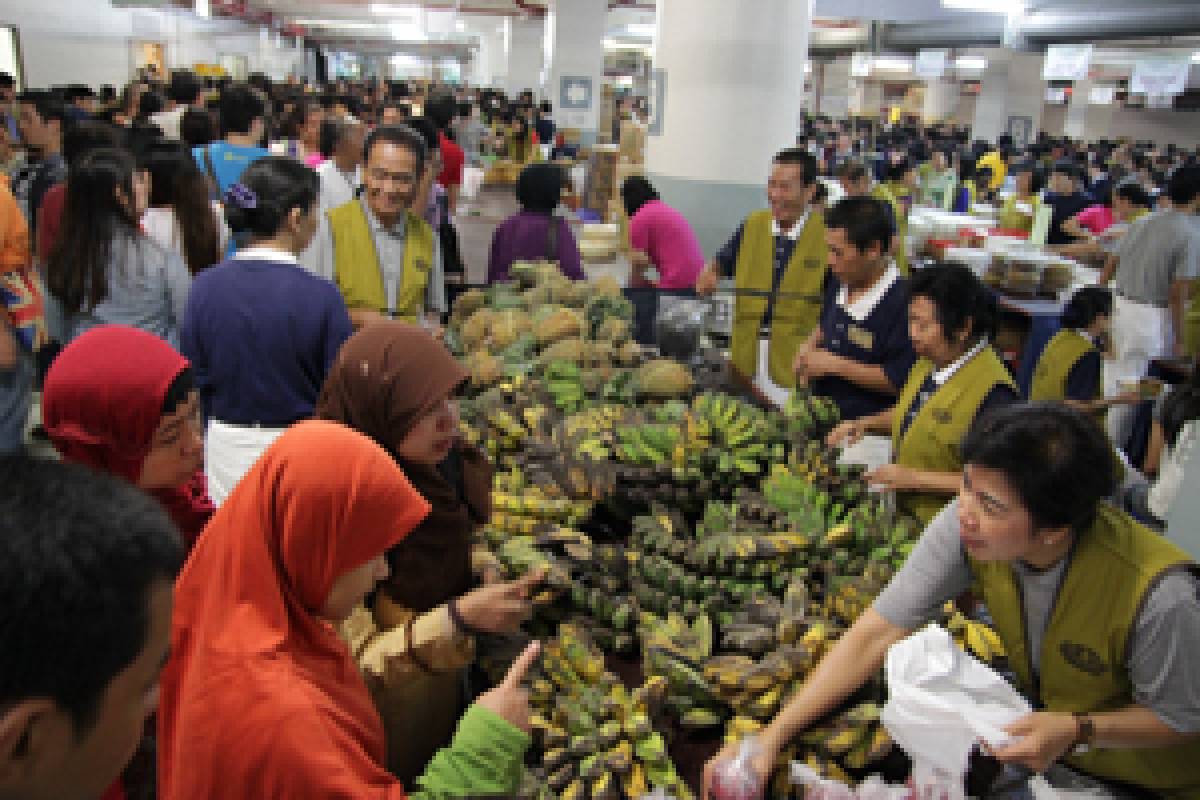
958	376
1100	617
1069	369
1020	208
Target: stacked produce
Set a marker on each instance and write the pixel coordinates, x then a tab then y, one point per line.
596	738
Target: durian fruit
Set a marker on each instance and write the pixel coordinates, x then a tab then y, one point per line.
614	330
573	350
506	327
468	303
485	368
558	324
606	286
475	329
663	377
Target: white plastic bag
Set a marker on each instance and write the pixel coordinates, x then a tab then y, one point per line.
819	788
941	701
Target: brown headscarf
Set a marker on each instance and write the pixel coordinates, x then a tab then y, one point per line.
386	377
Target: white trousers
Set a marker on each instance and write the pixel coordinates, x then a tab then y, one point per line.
229	453
1140	333
777	395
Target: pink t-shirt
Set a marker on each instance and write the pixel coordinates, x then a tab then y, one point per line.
1096	219
663	234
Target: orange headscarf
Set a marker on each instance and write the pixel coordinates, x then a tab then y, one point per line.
260	697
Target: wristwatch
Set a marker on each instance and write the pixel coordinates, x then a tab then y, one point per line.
1085	732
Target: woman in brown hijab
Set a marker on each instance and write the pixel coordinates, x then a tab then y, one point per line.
398	385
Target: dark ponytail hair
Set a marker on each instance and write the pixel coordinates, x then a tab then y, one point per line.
267	192
93	217
177	182
636	191
1085	305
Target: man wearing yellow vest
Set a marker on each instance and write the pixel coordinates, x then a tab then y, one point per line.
778	263
1099	616
855	179
385	260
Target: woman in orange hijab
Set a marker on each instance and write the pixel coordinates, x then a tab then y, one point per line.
397	384
260	698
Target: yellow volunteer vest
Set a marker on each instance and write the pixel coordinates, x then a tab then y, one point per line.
1084	648
1010	218
356	263
1055	364
932	441
899	248
796	312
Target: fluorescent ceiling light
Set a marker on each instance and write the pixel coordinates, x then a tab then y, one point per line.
990	6
338	23
970	62
406	32
892	64
460	25
646	31
389	10
1196	57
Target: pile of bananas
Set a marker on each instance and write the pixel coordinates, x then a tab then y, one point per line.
596	739
674	649
810	417
977	638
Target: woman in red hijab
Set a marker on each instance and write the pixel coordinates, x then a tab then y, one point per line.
121	400
261	698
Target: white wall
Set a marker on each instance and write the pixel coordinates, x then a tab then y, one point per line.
89	41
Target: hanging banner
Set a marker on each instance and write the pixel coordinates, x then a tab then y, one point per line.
931	64
1161	75
1067	62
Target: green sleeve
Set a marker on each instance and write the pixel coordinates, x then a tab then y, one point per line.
484	760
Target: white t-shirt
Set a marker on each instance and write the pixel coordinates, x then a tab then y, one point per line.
160	225
337	188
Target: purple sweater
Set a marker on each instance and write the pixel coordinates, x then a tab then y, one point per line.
523	237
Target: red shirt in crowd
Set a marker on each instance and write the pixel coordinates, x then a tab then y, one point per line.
453	159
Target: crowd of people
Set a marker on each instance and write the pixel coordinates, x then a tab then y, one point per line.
258	532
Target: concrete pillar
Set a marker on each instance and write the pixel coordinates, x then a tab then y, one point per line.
1085	121
577	64
940	101
734	83
1011	95
836	89
525	56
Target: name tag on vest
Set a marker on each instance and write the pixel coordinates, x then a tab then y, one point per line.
422	265
813	263
942	416
860	337
1083	658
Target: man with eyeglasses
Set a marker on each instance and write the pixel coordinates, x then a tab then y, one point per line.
385	260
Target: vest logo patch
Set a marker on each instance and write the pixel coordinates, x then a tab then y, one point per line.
813	263
942	416
1083	658
860	337
422	265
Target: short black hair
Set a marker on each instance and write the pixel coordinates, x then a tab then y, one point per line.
960	299
441	108
1068	168
48	106
428	130
197	128
897	171
150	102
1058	460
79	553
1134	193
636	191
402	135
539	187
804	159
866	221
278	184
1085	305
239	106
1037	176
185	87
177	393
333	131
852	170
87	136
7	81
1184	185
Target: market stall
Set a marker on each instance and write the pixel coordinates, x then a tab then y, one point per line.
702	551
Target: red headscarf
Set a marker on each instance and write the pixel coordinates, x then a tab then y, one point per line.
261	698
101	403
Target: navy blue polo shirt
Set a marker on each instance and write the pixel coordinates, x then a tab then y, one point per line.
880	338
785	247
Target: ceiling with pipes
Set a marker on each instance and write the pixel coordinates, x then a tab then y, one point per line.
840	25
